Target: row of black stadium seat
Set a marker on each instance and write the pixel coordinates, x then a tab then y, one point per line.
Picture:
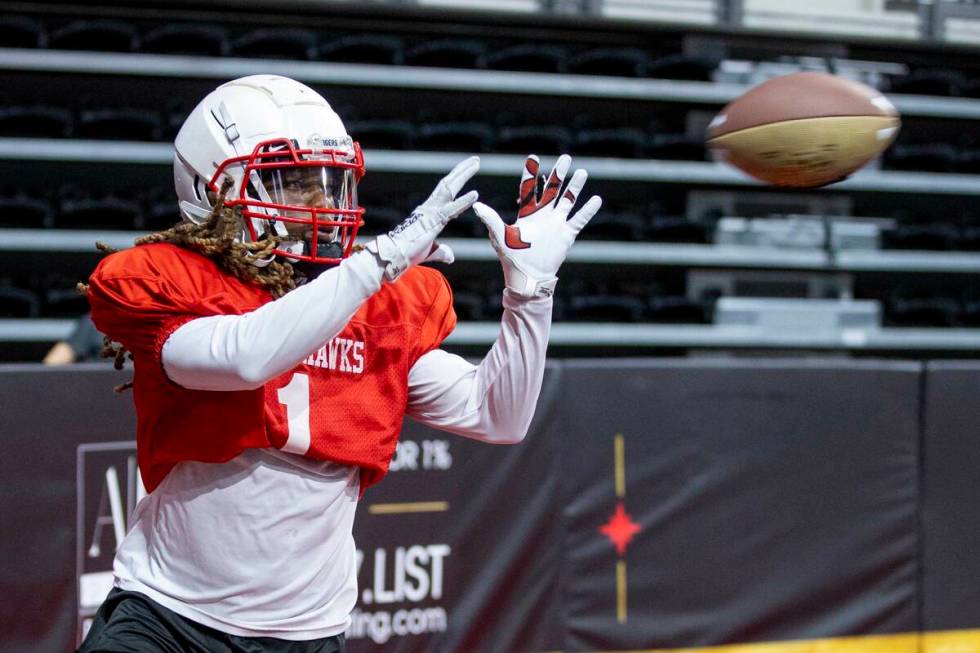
71	207
292	43
472	136
301	44
934	157
914	305
41	297
584	301
74	208
937	81
111	123
939	235
903	307
138	124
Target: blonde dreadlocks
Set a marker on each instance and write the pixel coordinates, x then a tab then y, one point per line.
215	238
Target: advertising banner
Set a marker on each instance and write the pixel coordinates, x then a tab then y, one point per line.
951	500
657	504
709	503
458	543
47	415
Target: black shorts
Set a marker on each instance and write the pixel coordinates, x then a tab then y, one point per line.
132	622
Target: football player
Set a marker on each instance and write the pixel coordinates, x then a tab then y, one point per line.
275	360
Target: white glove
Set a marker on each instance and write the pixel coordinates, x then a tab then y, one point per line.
534	247
414	240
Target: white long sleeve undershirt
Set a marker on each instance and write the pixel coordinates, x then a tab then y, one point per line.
244	352
493	401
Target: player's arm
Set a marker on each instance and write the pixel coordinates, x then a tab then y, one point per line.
243	352
495	400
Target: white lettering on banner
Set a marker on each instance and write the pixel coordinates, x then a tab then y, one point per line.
406	456
109	488
435	455
416	574
112	494
380	626
340	354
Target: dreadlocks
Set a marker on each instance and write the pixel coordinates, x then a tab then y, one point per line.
215	238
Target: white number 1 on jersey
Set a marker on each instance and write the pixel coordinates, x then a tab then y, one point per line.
296	397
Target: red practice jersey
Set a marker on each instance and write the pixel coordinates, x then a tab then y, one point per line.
354	388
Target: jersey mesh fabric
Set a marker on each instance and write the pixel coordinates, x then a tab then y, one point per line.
357	382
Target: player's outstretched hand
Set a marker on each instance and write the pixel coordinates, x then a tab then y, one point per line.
534	247
414	240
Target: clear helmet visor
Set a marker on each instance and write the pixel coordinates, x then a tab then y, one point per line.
311	207
305	198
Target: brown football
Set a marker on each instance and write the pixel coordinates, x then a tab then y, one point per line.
804	130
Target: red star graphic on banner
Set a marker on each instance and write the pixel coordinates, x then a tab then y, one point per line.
620	529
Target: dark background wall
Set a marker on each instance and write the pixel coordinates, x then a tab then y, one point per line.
767	500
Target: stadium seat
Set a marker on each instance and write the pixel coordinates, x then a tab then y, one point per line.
968	161
683	66
674	309
363	48
526	57
446	53
928	81
22	32
379	218
159	211
469	305
22	210
969	236
609	224
35	121
456	136
676	147
275	43
926	157
614	62
465	226
83	210
922	312
602	307
970	87
64	302
119	123
618	142
98	34
539	139
172	119
676	229
383	134
18	302
186	39
912	305
922	236
969	315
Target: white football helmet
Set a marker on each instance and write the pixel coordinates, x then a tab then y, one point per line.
294	167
